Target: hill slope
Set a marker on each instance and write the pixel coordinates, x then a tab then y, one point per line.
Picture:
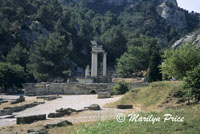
157	95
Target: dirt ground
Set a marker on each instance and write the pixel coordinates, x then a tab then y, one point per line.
8	126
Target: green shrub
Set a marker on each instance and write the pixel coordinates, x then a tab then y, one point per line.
121	87
11	76
178	62
191	84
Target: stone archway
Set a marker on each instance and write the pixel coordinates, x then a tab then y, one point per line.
93	92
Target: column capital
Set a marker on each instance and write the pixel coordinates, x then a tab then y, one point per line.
94	52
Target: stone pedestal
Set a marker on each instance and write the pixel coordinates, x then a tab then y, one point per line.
87	71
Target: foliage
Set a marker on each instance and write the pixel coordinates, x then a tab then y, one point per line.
137	56
178	62
154	73
191	84
22	22
18	55
114	43
121	87
49	58
11	76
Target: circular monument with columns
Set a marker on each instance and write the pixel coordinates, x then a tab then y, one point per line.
93	73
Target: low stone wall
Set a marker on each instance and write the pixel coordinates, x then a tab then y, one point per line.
35	89
10	110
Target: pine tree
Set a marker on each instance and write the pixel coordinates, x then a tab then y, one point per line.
18	55
11	76
154	73
49	59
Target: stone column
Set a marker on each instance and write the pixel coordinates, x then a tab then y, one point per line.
94	64
104	63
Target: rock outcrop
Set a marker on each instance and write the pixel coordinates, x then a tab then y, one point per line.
172	14
193	38
167	9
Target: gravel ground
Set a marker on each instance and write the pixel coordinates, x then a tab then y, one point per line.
68	101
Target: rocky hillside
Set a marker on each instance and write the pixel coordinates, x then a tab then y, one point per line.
27	25
193	38
168	9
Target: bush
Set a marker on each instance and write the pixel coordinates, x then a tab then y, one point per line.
191	84
121	87
178	62
11	76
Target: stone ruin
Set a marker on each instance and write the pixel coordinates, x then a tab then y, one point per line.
95	75
94	81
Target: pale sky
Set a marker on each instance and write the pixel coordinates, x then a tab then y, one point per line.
190	5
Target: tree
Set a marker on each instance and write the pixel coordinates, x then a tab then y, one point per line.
154	73
137	56
11	76
49	58
114	43
18	55
178	62
191	84
132	61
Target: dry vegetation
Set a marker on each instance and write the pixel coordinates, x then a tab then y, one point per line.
152	97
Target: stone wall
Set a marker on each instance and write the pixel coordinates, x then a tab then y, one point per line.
35	89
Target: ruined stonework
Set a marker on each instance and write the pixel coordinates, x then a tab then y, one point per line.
35	89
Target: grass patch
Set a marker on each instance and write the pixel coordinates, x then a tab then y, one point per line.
191	124
149	97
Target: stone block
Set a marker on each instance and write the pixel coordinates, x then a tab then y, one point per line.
40	117
20	99
56	115
30	119
40	131
6	112
67	111
94	107
102	95
25	120
3	101
124	106
58	124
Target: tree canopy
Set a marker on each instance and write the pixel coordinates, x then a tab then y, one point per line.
177	62
11	76
49	58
